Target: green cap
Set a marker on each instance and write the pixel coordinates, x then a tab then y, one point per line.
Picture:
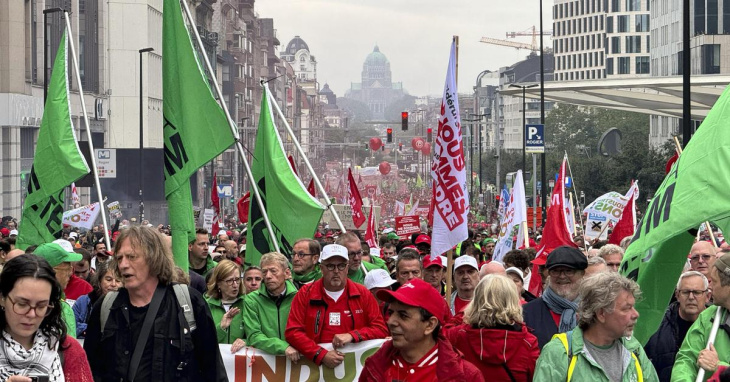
57	252
393	236
488	240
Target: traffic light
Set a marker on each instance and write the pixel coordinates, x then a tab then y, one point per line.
390	135
404	120
429	134
496	201
400	147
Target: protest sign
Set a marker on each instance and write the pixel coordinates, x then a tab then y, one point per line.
115	210
604	210
208	216
82	217
345	213
407	225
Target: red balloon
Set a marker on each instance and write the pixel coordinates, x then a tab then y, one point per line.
375	143
384	168
426	149
417	143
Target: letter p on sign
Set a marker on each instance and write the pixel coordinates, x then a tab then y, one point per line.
535	138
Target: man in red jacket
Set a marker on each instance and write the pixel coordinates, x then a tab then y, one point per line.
417	352
332	309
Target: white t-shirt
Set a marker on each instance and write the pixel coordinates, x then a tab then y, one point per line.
335	295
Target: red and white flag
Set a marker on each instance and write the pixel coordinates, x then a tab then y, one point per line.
400	208
75	200
370	237
82	217
450	202
626	226
216	207
353	196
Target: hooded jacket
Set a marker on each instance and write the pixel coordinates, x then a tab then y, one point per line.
685	365
265	318
663	346
496	349
451	366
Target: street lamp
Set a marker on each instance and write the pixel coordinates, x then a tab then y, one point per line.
141	141
46	65
524	120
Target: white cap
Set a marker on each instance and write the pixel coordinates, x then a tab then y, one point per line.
331	250
378	278
65	244
73	235
388	230
243	248
375	252
516	271
465	260
14	232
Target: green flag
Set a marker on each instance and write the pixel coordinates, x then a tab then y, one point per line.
57	162
419	182
196	129
293	212
695	190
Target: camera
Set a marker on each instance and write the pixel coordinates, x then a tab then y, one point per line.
38	378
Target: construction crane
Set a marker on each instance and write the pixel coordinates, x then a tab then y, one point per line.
534	47
531	32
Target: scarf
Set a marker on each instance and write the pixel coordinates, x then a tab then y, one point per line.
39	360
313	275
565	308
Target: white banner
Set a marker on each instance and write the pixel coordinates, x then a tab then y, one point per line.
515	214
82	217
604	210
208	215
250	364
345	213
448	170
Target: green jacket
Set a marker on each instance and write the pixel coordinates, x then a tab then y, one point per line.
380	263
235	330
359	275
68	318
309	277
265	319
685	366
554	361
209	264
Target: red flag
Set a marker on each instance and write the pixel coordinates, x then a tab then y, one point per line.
311	189
670	162
353	195
627	224
293	167
216	206
370	233
243	205
555	233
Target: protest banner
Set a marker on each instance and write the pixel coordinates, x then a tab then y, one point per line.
514	215
345	213
606	209
250	364
115	210
208	216
407	225
82	217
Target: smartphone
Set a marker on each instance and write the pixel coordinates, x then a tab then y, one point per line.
38	378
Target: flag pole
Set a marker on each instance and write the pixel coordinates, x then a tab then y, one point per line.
450	252
289	130
88	131
234	130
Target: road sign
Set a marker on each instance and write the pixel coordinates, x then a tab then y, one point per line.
225	190
106	162
535	138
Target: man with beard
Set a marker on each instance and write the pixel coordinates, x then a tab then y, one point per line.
100	253
554	311
354	250
601	348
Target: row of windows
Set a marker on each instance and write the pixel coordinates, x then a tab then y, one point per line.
641	23
576	8
632	44
584	25
572	44
579	61
629	5
581	75
623	65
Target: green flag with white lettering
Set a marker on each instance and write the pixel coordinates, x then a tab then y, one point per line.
294	213
57	162
196	129
695	190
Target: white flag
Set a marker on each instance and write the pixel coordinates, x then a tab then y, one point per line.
515	215
604	210
413	209
450	202
82	217
400	208
75	200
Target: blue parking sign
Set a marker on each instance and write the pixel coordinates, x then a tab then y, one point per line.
535	138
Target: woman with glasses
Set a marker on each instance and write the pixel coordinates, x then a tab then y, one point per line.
225	300
103	281
34	333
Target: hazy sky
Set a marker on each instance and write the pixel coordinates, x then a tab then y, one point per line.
415	36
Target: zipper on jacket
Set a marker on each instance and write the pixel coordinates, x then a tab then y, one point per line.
316	322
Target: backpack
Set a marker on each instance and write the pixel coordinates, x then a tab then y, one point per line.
567	340
183	299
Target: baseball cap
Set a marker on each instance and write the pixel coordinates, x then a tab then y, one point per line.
57	252
375	252
13	232
723	264
566	256
418	293
378	278
388	230
5	232
73	235
516	271
427	262
393	236
465	260
423	239
331	250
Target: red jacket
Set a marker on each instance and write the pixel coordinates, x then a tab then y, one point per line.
76	288
451	366
307	317
493	349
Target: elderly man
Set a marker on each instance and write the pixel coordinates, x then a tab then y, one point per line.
692	354
554	311
702	257
148	309
466	278
601	348
663	346
305	262
354	250
492	267
433	273
417	351
596	264
60	255
333	309
265	311
613	254
408	266
200	261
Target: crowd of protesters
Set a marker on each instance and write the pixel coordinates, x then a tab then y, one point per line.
145	319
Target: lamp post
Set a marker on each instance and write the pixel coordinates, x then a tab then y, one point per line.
524	120
542	120
141	141
46	65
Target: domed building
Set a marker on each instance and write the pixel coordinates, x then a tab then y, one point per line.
302	61
377	89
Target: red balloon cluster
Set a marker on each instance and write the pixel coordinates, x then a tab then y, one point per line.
426	149
384	168
375	143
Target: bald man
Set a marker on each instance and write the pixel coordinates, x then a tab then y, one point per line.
702	257
492	267
13	254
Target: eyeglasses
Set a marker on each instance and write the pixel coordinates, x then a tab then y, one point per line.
696	258
22	308
339	266
557	272
355	253
221	252
232	281
697	293
301	254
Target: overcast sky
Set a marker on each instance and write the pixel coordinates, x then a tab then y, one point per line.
415	36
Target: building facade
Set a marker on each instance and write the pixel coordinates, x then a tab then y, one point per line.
376	89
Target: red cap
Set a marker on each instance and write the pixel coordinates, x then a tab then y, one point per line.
229	233
427	262
329	234
317	235
411	247
5	232
418	293
423	239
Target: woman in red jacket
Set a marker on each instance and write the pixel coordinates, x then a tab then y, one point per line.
493	337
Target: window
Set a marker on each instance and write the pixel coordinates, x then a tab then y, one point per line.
633	5
726	16
642	65
712	17
633	44
615	45
622	24
642	23
699	17
615	5
711	59
609	65
609	24
624	65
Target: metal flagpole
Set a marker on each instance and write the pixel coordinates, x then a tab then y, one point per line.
88	131
234	129
306	160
